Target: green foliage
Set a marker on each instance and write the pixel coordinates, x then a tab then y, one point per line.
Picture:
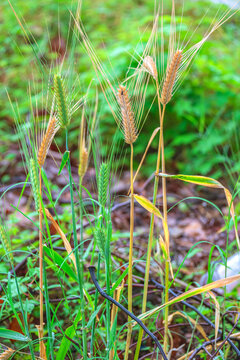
194	111
13	335
212	82
64	161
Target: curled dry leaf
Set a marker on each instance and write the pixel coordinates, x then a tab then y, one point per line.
63	237
194	322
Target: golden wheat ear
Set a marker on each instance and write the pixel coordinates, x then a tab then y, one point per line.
170	79
150	66
47	140
128	121
83	162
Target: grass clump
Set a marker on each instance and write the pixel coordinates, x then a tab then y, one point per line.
83	324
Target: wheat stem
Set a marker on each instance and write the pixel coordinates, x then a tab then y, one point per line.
164	192
129	334
130	135
41	328
150	239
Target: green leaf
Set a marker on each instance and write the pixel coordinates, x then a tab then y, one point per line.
46	182
61	262
119	280
64	161
70	332
93	316
12	335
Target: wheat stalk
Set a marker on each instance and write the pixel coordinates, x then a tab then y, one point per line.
52	128
130	135
170	79
128	121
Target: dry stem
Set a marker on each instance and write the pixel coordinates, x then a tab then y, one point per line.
130	258
42	347
150	240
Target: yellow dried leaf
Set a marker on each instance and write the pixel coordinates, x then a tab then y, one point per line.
213	285
148	205
217	314
208	182
199	327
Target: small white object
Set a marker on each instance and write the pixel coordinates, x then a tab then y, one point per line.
233	268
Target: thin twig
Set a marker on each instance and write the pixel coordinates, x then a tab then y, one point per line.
227	338
109	298
67	337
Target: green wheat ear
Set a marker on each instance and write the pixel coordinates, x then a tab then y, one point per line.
62	106
100	239
103	181
5	241
33	170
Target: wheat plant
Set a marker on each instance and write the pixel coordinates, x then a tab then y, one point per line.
93	328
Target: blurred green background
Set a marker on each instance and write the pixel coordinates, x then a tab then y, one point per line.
202	121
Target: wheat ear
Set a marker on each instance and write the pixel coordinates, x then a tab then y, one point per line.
33	170
83	163
47	140
61	98
150	66
7	352
83	151
128	121
6	243
171	77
